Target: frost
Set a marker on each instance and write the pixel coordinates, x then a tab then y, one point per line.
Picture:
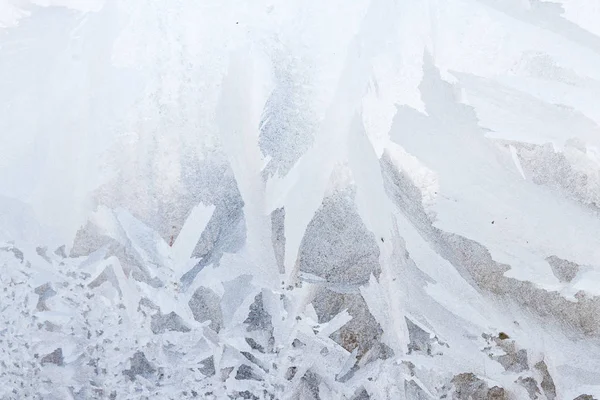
299	200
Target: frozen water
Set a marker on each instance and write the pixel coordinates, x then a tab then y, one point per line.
364	200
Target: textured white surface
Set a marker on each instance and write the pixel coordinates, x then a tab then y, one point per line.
299	199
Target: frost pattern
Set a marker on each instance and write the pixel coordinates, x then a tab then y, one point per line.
297	200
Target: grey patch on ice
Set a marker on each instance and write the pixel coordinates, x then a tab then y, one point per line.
246	372
146	302
290	373
50	327
420	340
377	351
414	392
550	168
514	360
89	240
361	394
489	275
61	251
474	262
564	270
56	357
44	292
258	319
362	331
206	305
286	130
253	359
337	246
497	393
107	275
468	386
385	352
139	366
207	366
585	397
246	395
16	252
161	323
154	282
408	367
225	372
254	345
308	389
261	340
547	383
226	229
530	385
278	237
42	252
348	375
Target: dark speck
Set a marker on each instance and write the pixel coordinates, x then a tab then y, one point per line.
492	222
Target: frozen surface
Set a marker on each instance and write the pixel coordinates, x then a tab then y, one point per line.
364	200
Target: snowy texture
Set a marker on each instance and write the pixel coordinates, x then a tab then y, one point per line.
303	200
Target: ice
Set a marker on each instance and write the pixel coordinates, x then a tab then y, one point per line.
275	199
